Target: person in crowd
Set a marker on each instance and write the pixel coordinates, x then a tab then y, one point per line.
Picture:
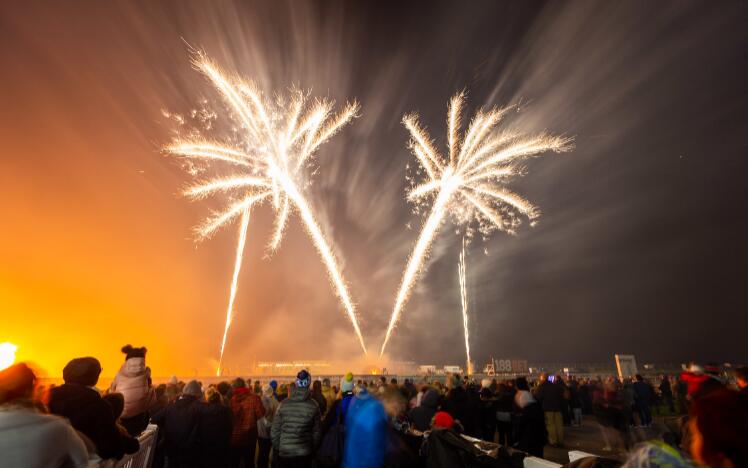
215	429
585	396
741	378
28	437
282	393
401	447
365	436
504	408
172	392
133	381
699	382
461	405
718	428
257	389
420	388
422	415
161	400
179	426
224	388
575	402
666	393
247	410
488	420
550	397
643	398
78	401
656	453
318	397
117	402
264	441
629	412
531	432
296	428
565	400
614	415
328	392
339	408
409	390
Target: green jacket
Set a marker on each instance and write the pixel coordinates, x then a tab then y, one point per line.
296	428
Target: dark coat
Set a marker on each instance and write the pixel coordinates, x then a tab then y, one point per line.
337	413
422	415
296	428
644	394
531	432
551	396
443	448
178	424
465	407
215	434
319	398
92	416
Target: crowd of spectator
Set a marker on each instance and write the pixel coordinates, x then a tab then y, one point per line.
348	422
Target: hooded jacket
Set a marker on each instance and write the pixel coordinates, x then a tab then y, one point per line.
296	426
365	433
132	381
421	415
92	416
29	439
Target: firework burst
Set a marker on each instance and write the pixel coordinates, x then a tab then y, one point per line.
280	138
469	184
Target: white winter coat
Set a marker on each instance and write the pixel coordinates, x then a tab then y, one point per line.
132	382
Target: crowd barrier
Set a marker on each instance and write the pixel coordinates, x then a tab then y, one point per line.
143	457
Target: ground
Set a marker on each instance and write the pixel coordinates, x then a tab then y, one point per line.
588	438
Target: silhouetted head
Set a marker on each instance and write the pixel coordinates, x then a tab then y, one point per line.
16	382
82	371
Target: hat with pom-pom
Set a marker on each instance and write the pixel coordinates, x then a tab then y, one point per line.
131	352
346	385
303	379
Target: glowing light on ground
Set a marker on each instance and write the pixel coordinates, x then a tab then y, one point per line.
462	274
469	184
281	136
7	354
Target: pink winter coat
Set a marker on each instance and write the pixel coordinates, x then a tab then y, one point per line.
132	381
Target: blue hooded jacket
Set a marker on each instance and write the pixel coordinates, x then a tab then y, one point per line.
365	433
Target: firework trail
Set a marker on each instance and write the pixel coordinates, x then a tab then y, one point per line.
281	138
464	301
470	183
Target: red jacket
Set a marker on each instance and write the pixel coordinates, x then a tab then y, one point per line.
699	384
247	409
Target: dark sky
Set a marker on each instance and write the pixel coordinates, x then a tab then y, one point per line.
640	249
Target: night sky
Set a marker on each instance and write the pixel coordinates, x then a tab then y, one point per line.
640	250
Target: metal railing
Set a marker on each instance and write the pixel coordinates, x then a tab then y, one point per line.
143	457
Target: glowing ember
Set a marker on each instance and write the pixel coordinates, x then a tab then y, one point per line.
470	183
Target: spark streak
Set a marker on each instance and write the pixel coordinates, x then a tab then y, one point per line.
464	301
234	281
469	184
279	142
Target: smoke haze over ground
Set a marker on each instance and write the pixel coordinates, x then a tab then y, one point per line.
641	248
